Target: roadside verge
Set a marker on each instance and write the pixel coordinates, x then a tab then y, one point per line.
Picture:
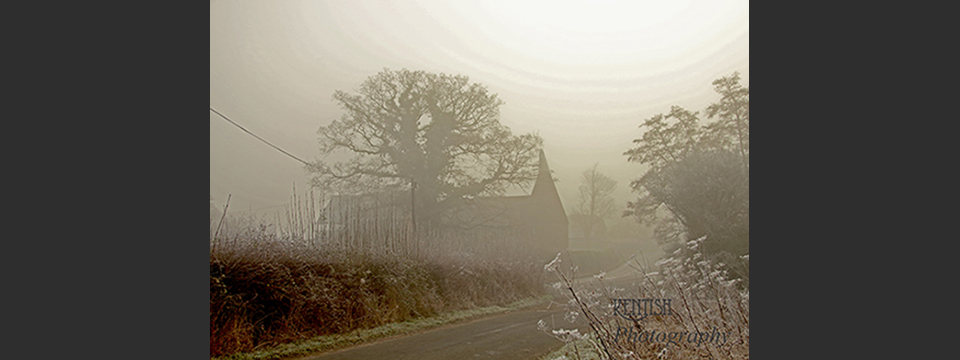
361	336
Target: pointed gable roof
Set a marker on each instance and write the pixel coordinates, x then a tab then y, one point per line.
544	187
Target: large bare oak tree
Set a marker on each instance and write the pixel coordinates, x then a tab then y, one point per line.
439	131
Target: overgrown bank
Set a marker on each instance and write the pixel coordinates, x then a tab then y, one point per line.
260	302
359	336
687	306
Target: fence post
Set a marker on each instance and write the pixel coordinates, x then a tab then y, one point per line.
413	213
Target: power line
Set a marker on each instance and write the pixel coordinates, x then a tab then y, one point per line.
255	135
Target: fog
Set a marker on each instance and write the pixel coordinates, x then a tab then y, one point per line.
582	74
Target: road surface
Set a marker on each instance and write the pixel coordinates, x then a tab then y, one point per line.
511	336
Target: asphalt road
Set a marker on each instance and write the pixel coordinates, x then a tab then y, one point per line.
511	336
507	336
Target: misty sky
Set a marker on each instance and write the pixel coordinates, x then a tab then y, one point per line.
583	74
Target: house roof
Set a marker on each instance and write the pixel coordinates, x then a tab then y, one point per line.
515	210
502	211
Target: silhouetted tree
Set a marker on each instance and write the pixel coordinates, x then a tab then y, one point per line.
732	128
698	182
438	130
595	202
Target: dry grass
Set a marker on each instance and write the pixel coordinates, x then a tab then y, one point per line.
705	302
272	285
359	336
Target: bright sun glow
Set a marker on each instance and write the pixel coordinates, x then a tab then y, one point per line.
610	32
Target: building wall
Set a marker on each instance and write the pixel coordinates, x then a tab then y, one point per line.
547	213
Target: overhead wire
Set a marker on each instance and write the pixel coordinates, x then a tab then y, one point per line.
258	137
